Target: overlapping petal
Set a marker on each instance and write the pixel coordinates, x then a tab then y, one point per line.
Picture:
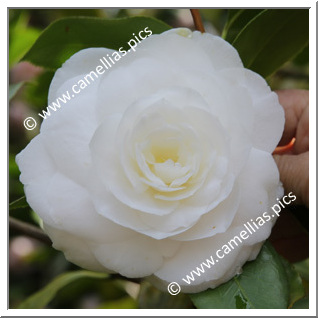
158	162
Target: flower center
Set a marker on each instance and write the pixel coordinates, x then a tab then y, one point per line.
169	171
167	158
164	150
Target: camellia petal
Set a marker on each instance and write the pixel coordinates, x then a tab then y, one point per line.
159	162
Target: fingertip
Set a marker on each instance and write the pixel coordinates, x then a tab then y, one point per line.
294	174
294	102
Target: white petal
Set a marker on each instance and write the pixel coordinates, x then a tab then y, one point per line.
269	115
222	54
73	211
35	174
139	256
258	194
76	250
136	257
140	80
44	166
192	254
216	221
79	64
269	123
202	49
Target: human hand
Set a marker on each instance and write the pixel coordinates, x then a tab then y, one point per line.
293	160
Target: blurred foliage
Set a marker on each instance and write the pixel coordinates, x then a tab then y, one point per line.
151	298
19	203
21	36
295	284
43	297
32	264
302	268
37	90
13	89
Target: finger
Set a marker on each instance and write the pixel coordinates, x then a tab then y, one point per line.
302	134
294	102
294	174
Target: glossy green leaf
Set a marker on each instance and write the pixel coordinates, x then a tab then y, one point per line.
302	59
272	38
302	268
19	203
236	21
301	304
41	298
67	36
296	289
13	89
263	284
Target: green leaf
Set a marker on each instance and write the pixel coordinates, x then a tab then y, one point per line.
296	289
302	59
302	268
19	203
41	298
263	284
21	38
64	37
13	167
36	91
122	303
236	21
13	89
272	38
150	297
301	304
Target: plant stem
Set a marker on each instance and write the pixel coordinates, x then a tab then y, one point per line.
197	20
29	230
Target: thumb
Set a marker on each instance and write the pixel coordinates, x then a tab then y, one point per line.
294	174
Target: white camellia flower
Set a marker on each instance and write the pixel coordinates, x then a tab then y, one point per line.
159	162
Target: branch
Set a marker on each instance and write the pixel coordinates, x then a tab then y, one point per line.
197	20
29	230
